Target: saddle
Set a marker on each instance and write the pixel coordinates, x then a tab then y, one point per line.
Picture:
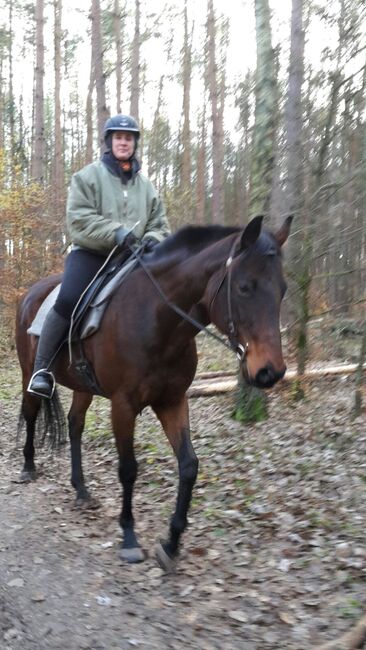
88	313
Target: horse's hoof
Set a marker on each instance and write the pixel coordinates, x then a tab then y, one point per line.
87	503
167	563
132	555
27	475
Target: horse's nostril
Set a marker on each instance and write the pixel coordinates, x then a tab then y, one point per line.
265	376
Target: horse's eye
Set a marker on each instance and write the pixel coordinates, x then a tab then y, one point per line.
246	288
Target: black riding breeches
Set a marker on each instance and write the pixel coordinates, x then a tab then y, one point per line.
80	267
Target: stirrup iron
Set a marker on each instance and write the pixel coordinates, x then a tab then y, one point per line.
51	377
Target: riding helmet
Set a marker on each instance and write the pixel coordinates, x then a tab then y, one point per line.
121	123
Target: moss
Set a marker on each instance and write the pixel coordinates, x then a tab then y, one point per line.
250	405
297	391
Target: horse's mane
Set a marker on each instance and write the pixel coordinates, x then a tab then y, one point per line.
194	238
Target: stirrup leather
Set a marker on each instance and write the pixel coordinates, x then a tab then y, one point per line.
45	372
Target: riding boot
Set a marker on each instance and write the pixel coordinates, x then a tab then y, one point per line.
54	330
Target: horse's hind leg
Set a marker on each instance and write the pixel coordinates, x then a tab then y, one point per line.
123	420
76	419
31	405
175	421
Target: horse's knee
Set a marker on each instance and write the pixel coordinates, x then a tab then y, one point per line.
127	470
188	469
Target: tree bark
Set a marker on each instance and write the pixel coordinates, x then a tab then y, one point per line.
135	65
89	114
38	157
262	159
251	403
118	40
216	97
97	55
201	172
185	179
58	165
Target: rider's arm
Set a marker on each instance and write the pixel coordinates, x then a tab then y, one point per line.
87	227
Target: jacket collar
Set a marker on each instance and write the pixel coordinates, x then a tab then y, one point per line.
112	164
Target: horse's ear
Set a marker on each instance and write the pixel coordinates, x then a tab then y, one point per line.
282	234
251	232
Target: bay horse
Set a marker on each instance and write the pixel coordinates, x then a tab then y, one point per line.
145	354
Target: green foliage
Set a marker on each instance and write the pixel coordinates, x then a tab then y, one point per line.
250	404
297	392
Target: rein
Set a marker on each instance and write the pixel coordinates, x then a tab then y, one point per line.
233	345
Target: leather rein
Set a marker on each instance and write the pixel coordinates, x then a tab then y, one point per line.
233	345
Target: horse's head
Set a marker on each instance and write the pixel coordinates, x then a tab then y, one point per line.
247	304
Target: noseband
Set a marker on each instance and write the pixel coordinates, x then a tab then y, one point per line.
233	345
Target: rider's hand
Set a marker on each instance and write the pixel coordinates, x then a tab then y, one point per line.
149	243
126	242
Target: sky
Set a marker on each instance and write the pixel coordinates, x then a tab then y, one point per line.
240	53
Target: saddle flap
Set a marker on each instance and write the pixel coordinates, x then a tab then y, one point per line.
90	311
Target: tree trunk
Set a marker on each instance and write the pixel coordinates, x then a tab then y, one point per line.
89	114
118	40
201	172
135	65
299	254
216	96
58	165
11	101
251	403
185	179
97	54
262	159
38	156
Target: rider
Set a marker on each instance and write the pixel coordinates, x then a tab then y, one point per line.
109	203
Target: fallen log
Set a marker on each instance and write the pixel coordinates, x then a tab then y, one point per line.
203	385
351	640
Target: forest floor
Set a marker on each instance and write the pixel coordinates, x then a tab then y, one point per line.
274	556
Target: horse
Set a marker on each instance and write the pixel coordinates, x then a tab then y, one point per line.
144	353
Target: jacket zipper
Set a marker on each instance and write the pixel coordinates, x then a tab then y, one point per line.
125	206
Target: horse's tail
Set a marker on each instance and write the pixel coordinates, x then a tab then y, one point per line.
50	423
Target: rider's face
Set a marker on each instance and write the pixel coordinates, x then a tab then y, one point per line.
123	144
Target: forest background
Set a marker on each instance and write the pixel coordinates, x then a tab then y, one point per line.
246	108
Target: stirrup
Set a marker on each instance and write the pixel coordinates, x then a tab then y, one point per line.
50	375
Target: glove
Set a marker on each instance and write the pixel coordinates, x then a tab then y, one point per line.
149	243
125	242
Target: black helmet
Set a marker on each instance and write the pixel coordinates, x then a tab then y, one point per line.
121	123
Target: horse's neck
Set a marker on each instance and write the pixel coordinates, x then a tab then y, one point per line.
187	280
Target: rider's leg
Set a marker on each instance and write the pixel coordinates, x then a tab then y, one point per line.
80	268
53	332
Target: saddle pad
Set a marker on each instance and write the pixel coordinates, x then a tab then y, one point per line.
42	312
95	310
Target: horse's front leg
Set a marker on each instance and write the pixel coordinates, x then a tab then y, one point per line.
175	421
123	421
76	420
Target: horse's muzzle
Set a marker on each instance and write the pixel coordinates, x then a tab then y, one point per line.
266	377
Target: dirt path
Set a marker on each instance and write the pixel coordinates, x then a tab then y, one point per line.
274	558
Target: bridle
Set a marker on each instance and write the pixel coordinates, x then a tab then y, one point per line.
233	345
240	350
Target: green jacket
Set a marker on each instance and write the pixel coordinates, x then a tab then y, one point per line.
98	204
